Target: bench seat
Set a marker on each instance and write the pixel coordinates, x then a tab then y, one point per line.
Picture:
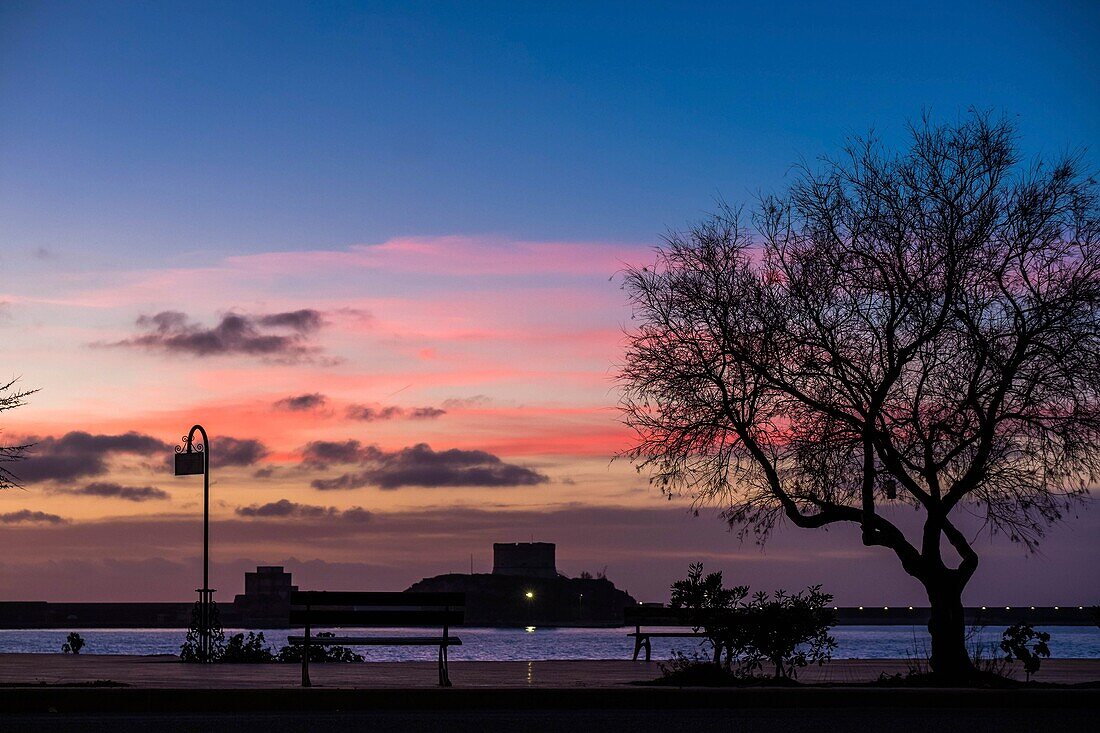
378	640
657	615
354	610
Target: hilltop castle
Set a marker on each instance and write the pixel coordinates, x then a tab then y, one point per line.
526	589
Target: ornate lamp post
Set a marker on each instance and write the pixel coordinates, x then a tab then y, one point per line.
191	459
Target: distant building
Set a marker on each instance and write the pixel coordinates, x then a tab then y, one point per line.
265	602
527	559
268	580
525	589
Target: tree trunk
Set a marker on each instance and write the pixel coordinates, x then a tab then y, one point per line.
947	626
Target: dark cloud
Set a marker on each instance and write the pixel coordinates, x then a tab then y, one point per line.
304	320
280	336
78	454
425	413
81	455
458	403
323	453
237	452
302	402
419	465
369	413
366	413
29	517
118	491
286	509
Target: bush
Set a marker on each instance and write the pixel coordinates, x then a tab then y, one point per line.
318	653
712	607
695	671
73	644
239	650
1025	644
788	631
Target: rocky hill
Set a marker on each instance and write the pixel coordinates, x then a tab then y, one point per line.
508	600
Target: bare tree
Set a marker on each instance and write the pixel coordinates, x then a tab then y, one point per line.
914	328
10	398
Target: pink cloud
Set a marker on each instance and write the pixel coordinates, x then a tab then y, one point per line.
456	255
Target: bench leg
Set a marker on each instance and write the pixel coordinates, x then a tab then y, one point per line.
648	649
444	675
305	661
637	647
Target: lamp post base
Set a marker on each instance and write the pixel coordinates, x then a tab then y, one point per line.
206	603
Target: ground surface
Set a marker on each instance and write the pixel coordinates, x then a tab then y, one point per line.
165	695
168	672
757	720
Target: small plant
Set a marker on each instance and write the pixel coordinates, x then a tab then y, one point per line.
695	670
319	653
73	643
250	650
789	630
786	630
1026	645
712	608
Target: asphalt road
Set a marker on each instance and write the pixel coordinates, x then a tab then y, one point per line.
762	720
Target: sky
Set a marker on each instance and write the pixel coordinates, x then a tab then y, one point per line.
374	250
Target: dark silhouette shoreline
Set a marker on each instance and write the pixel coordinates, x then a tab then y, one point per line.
62	615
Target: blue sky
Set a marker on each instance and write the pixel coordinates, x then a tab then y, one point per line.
449	189
143	130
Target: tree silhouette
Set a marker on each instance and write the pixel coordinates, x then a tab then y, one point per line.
10	398
916	328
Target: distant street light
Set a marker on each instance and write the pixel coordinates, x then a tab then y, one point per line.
192	459
530	595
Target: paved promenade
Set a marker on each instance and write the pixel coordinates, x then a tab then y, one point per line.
166	695
167	672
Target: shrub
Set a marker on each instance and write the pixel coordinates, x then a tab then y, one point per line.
789	630
786	630
695	670
712	607
73	643
1025	644
317	653
253	650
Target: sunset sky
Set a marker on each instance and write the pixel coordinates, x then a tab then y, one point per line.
373	249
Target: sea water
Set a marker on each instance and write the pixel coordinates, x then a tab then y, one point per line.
492	644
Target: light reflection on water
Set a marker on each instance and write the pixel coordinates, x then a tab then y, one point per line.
486	644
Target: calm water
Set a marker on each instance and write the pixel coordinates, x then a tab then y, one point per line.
855	642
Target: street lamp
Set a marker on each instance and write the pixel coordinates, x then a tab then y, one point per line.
192	459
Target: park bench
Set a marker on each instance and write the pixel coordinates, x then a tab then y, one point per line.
312	609
654	614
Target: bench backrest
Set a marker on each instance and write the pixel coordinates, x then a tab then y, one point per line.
348	608
654	615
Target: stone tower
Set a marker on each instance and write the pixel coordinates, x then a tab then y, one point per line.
527	559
